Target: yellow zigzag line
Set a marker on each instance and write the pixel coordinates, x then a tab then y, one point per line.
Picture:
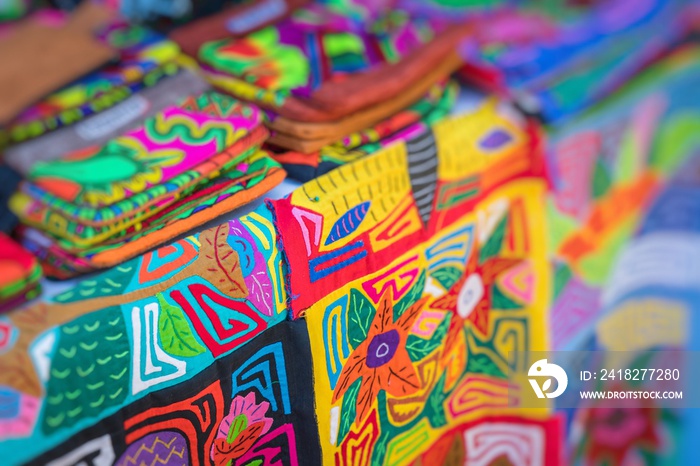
157	459
132	459
167	126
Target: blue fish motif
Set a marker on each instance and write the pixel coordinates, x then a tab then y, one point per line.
348	223
495	140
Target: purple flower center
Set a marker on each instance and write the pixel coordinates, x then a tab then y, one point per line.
382	348
495	139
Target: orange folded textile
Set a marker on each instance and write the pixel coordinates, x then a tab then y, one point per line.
310	137
247	181
336	99
338	96
40	58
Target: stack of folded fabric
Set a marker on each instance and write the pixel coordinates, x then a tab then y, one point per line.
143	59
107	124
556	62
48	51
97	207
406	124
340	79
19	280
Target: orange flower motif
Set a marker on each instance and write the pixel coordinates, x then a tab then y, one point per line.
381	360
470	298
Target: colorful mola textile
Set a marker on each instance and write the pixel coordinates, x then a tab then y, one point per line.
649	302
422	273
407	124
146	349
108	124
320	65
250	179
20	276
90	196
497	141
557	67
606	168
252	407
666	289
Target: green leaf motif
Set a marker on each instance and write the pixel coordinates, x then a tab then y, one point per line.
381	446
238	425
89	371
380	449
499	300
418	348
111	283
348	410
360	316
482	364
434	406
413	295
447	276
175	332
495	241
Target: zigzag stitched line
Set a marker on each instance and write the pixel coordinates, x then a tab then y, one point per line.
132	459
163	130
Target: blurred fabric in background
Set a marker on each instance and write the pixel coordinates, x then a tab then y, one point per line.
294	232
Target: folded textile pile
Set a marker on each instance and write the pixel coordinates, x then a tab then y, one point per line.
130	155
339	79
19	281
556	64
109	123
406	124
47	52
143	59
179	169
